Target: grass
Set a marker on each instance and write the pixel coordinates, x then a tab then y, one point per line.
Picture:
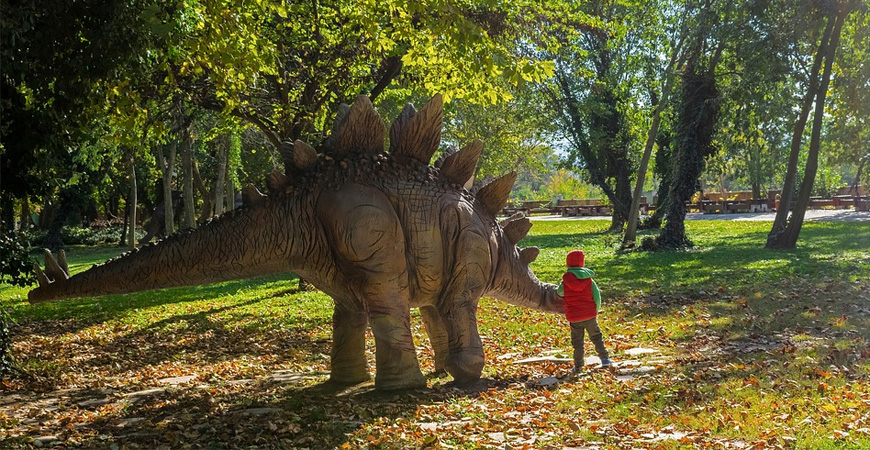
753	347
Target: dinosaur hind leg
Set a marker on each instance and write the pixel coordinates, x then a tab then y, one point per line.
348	357
395	357
369	245
437	331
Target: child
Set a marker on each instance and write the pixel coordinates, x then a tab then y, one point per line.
582	300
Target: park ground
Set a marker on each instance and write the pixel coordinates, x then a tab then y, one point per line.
727	345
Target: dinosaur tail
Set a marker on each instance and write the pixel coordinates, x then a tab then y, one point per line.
241	244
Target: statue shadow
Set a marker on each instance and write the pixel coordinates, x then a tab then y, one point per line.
70	316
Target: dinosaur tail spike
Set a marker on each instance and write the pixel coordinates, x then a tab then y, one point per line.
61	260
418	134
41	277
53	269
304	155
276	180
494	195
516	230
359	130
459	167
252	196
529	254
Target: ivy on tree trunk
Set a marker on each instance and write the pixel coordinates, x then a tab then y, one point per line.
696	123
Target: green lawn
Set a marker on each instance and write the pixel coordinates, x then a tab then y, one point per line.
752	347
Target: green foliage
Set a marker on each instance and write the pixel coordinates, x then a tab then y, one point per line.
849	132
606	79
7	363
515	134
16	267
565	184
284	68
87	235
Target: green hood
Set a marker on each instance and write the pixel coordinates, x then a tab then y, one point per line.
581	273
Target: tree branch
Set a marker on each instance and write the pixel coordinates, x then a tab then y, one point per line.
392	68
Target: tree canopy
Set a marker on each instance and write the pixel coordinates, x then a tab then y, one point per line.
200	95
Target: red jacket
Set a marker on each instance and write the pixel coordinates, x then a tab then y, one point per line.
579	303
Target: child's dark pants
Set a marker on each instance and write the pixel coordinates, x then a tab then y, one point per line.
577	330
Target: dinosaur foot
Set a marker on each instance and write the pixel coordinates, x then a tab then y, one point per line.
465	366
472	387
411	379
438	373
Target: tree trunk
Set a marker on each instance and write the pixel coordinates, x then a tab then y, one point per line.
231	194
633	212
125	226
781	220
187	161
7	213
167	165
26	221
131	234
621	201
220	180
788	238
205	193
696	124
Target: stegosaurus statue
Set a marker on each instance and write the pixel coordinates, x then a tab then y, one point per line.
380	232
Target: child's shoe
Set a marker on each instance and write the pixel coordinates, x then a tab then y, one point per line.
606	363
577	372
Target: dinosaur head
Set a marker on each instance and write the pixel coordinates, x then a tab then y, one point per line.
514	282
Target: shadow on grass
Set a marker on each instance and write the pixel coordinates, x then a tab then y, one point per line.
741	262
202	337
268	414
75	314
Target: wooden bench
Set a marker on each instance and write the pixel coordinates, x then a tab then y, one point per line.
582	207
820	202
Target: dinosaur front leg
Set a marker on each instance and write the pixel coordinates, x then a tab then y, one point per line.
348	357
437	331
465	360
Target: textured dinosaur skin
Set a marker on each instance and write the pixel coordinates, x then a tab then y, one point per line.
380	232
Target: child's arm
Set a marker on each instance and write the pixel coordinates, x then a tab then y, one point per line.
596	295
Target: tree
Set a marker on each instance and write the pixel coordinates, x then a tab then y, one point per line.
848	136
284	68
785	232
591	102
515	134
659	105
65	90
697	112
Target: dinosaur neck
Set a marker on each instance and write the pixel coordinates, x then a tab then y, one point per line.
529	293
260	240
515	283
